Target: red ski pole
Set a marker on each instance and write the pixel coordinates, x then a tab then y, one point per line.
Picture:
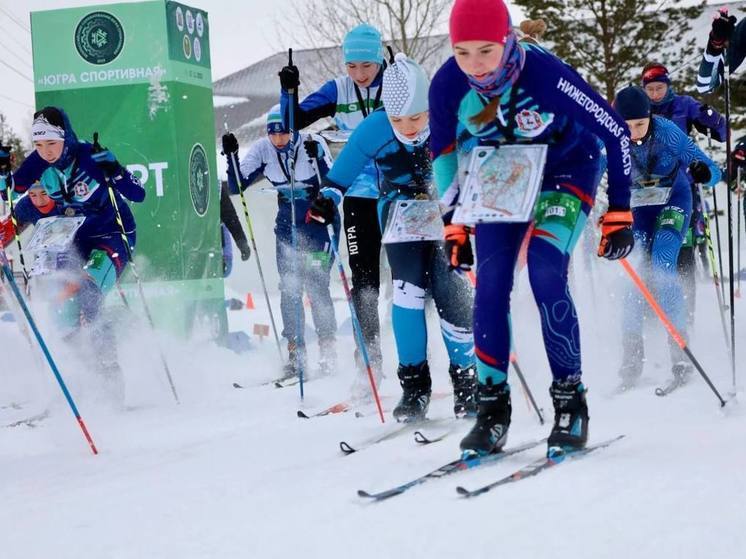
673	332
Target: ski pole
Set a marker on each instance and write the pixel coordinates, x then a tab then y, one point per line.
239	180
717	234
738	228
355	322
514	361
728	178
716	279
14	221
138	281
670	328
526	389
45	350
293	226
356	327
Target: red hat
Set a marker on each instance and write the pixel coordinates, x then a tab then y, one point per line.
479	20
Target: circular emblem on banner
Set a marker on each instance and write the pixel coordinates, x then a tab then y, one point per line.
199	180
179	18
186	46
197	49
200	24
190	21
99	38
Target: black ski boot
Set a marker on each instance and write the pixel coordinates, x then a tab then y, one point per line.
570	430
490	432
417	387
633	359
464	382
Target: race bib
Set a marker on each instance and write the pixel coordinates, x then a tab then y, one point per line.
502	184
650	196
336	136
412	221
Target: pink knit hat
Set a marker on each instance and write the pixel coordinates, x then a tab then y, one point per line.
479	20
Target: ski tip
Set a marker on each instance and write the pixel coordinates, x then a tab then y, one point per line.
463	491
420	438
346	448
302	415
236	385
364	494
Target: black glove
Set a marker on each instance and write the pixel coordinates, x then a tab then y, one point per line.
617	238
322	210
313	149
289	77
4	159
245	251
230	144
722	28
105	160
700	172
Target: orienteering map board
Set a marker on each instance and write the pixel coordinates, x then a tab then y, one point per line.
412	221
502	184
54	233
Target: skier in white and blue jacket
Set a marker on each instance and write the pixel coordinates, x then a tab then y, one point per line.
349	99
309	269
397	137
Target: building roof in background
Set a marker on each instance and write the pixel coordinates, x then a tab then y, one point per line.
242	99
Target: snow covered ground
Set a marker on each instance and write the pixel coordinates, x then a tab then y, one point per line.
234	473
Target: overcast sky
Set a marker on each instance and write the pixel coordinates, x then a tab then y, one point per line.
241	32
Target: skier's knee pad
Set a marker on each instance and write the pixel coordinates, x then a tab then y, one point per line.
408	295
102	270
559	220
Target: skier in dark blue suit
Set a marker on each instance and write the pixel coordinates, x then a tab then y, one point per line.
497	91
661	206
76	176
688	114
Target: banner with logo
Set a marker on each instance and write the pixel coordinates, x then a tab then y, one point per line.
139	75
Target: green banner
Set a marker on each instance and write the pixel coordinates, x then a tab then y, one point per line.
126	72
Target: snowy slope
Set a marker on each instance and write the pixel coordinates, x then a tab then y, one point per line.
234	473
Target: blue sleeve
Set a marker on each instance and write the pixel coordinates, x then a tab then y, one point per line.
29	172
704	118
25	212
316	106
129	186
364	143
447	90
573	97
689	152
